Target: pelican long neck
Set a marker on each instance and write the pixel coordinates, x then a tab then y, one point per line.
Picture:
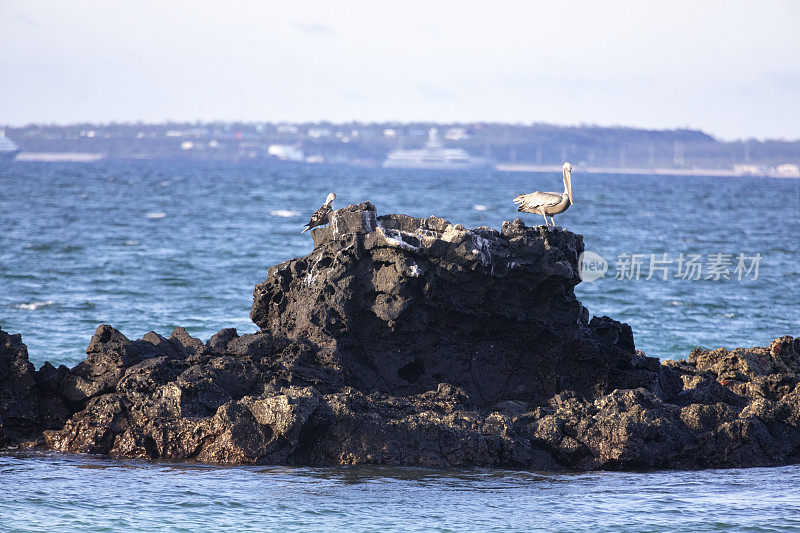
567	184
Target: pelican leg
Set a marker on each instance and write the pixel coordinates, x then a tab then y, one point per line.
547	225
553	220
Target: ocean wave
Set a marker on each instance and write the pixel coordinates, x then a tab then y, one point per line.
480	207
159	214
33	306
284	213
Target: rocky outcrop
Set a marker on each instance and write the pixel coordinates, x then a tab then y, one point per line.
413	341
29	400
397	305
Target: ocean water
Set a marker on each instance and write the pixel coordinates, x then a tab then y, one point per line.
67	493
149	245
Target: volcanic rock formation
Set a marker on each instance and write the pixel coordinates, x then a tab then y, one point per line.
401	340
396	304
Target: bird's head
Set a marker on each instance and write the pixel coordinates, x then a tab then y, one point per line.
331	197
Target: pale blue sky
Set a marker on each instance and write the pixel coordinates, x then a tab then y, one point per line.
729	67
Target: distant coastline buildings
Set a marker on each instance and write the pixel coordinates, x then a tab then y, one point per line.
511	147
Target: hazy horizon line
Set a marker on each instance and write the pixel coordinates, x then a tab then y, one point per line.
581	125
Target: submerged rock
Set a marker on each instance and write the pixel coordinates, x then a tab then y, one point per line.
412	341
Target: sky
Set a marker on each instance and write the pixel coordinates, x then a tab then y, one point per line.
730	68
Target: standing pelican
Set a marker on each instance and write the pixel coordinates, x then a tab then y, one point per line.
548	203
322	214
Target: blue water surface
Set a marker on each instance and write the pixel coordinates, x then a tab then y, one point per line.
55	493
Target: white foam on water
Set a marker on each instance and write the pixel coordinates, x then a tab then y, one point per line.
164	184
33	306
284	213
480	207
131	243
155	215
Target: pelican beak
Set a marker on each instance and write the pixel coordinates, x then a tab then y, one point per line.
568	179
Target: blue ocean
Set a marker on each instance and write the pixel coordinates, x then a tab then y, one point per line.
152	245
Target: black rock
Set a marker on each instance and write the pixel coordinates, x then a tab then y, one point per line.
397	305
30	401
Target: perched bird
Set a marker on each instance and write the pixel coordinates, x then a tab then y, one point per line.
548	203
322	215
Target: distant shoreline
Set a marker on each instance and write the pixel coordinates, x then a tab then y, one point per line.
87	157
59	157
515	147
728	173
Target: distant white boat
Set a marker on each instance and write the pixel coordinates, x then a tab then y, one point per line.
8	148
285	152
435	156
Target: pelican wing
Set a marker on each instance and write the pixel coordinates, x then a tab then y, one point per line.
319	217
535	200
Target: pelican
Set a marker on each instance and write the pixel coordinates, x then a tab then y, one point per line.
322	214
548	203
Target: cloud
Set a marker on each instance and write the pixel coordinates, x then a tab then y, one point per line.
786	79
19	19
434	93
314	28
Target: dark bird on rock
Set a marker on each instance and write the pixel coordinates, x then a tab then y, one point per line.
322	215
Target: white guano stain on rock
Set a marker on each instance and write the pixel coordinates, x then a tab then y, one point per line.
395	239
